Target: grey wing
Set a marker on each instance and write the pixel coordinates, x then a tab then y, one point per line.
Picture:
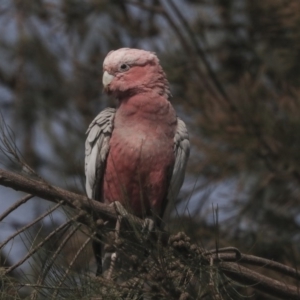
182	152
96	151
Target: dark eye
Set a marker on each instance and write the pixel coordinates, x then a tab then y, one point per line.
124	67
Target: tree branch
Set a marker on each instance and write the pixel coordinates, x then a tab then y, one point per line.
54	194
258	261
259	282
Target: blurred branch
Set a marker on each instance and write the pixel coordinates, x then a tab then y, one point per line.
153	8
258	261
200	52
260	282
183	41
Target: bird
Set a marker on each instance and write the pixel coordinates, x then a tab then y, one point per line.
136	153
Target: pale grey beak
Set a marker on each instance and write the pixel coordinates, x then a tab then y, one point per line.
107	79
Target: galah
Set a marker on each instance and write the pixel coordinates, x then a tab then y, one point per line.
137	153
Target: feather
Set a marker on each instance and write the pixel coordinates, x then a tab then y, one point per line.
96	150
182	152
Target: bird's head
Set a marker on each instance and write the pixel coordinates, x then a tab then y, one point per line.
131	71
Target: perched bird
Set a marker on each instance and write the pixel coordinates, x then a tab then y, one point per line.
137	153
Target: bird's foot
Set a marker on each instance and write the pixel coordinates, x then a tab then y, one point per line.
113	259
148	227
120	209
123	215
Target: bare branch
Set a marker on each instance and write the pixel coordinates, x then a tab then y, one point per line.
259	261
54	194
260	282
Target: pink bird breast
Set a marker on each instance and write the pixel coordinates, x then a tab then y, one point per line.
141	157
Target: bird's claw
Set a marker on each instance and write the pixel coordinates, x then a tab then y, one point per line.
113	259
119	209
122	213
148	224
148	227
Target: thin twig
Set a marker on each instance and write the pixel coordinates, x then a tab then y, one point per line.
36	248
72	263
30	224
51	261
15	206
